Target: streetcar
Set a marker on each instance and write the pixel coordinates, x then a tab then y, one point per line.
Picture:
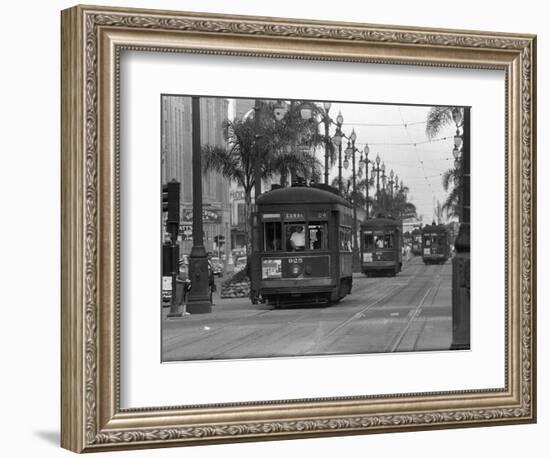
416	242
302	253
435	244
381	246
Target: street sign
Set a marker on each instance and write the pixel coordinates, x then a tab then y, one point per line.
186	231
208	216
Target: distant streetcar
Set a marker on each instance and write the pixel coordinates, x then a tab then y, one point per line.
303	253
381	246
435	244
416	242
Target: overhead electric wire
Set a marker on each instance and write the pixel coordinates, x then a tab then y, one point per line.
423	142
416	152
367	124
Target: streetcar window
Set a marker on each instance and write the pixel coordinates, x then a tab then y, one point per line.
383	240
318	235
295	236
368	242
433	241
272	236
345	239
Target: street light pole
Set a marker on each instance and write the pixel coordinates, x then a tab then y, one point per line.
376	171
461	260
384	199
257	173
338	141
253	262
327	121
367	150
396	189
353	137
390	183
199	297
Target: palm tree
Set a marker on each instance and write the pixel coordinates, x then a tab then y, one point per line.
451	184
401	208
439	117
237	161
292	142
273	144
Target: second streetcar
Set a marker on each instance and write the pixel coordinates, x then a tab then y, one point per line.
435	244
381	246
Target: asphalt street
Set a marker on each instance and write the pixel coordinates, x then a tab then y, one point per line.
408	312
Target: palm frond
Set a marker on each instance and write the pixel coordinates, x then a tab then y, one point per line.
438	117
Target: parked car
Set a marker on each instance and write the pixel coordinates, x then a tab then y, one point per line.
217	267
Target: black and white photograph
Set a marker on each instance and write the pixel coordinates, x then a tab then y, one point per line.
312	227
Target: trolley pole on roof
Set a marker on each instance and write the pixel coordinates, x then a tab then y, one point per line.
199	297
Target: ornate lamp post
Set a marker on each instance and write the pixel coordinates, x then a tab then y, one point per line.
396	189
376	172
350	154
327	122
306	112
384	182
337	140
199	297
461	260
458	178
364	164
391	182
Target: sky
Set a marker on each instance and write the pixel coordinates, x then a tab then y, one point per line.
397	133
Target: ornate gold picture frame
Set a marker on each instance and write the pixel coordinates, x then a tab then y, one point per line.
92	41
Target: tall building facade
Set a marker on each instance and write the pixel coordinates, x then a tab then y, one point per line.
176	150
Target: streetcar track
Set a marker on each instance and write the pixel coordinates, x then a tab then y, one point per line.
175	341
360	314
417	271
208	335
425	321
422	327
412	317
282	336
